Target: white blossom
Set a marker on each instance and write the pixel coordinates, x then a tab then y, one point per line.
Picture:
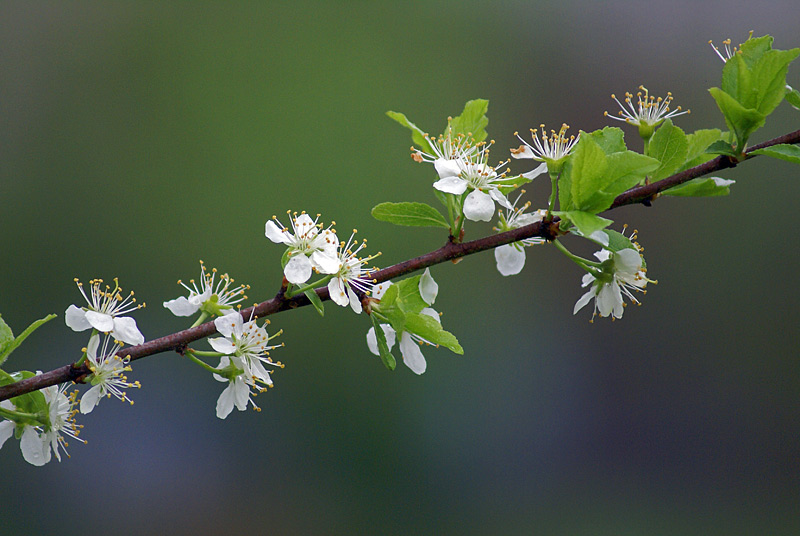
215	298
510	258
648	113
309	248
108	373
621	273
351	275
104	312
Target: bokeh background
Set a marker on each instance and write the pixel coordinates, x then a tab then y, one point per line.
140	137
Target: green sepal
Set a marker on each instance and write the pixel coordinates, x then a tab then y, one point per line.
610	139
793	97
409	214
706	187
7	341
721	147
586	222
783	151
670	147
472	122
417	136
383	347
315	301
698	143
431	330
740	120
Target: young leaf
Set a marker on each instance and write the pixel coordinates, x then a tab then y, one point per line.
623	171
793	97
383	347
409	214
742	121
417	136
783	151
409	299
618	241
610	139
769	78
721	147
670	147
431	330
754	48
315	301
707	187
8	346
587	173
472	121
587	223
698	142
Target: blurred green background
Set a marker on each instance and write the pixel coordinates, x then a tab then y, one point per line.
140	137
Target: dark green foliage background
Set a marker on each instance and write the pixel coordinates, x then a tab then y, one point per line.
140	137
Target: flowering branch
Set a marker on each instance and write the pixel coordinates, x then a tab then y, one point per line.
450	251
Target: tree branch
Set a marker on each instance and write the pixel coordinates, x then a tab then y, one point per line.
178	341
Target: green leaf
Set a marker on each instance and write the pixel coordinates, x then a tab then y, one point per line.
741	121
383	347
707	187
589	164
315	301
769	78
472	121
8	346
417	136
698	142
736	80
29	402
587	223
431	330
793	97
410	215
721	147
389	297
610	139
783	151
409	299
670	147
754	48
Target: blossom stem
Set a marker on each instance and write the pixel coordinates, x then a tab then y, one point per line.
311	286
590	266
18	416
551	205
190	354
200	319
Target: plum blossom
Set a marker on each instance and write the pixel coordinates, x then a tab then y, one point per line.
510	258
104	312
107	378
648	113
210	297
309	248
351	275
620	273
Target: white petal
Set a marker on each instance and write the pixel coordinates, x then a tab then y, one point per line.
91	348
90	399
125	330
225	402
722	182
304	226
276	234
33	447
223	346
431	313
379	290
355	303
583	300
600	237
182	306
241	393
327	262
501	200
337	292
451	185
609	298
100	321
523	152
532	174
628	261
428	288
412	355
372	340
510	260
6	431
478	206
446	168
298	269
229	325
75	318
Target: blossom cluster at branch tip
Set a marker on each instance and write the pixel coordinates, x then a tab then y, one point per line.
245	346
39	441
309	247
215	299
648	113
104	312
510	258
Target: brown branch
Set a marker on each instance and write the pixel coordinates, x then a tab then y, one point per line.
178	341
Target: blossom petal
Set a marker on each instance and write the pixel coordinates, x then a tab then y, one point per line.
523	152
298	269
609	298
241	393
223	346
75	318
276	234
532	174
428	288
90	399
510	259
125	330
628	261
304	227
225	402
583	300
478	206
501	200
380	289
182	306
34	449
451	185
355	303
372	340
327	262
446	168
337	292
100	321
229	325
412	355
6	431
